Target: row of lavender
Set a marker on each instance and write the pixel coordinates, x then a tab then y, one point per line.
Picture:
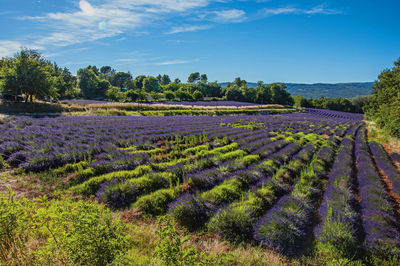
36	144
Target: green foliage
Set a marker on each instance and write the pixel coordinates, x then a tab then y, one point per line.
169	95
384	105
156	203
29	73
193	77
2	163
66	232
228	191
170	249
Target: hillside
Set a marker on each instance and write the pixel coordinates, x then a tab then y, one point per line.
347	90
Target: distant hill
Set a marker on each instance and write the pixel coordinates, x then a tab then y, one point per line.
317	90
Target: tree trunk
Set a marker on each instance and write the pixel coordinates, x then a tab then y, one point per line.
27	97
31	97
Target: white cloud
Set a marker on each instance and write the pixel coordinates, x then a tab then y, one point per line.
108	19
86	8
225	16
9	48
188	28
291	10
173	62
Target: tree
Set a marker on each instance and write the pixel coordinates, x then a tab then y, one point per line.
203	78
249	94
65	83
239	82
183	95
280	95
264	95
165	80
106	71
138	82
151	84
194	77
234	93
28	73
213	89
384	104
169	95
198	96
91	85
155	96
132	95
121	79
177	81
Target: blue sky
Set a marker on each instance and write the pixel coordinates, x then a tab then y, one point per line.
271	40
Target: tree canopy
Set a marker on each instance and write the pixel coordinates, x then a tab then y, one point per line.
384	105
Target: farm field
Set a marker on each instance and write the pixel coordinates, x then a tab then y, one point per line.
300	184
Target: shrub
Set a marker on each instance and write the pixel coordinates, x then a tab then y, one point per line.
117	193
155	203
190	212
64	231
228	191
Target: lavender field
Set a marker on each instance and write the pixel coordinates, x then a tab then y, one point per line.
290	183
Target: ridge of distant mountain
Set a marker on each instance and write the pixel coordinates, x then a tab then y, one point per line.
328	90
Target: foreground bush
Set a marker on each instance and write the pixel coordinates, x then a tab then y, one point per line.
58	232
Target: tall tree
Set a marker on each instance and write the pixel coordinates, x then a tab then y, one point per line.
28	73
194	77
203	78
165	80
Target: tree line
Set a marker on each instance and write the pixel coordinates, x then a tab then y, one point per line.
30	75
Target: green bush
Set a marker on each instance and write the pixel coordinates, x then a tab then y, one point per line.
228	191
65	232
156	203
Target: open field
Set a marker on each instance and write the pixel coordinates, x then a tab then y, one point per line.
304	186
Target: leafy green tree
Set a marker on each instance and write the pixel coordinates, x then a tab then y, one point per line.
115	94
239	82
264	95
121	79
213	89
137	83
165	80
151	84
183	95
169	95
155	96
177	81
203	78
198	96
234	93
107	71
28	73
91	85
132	95
280	95
172	87
249	94
384	104
194	77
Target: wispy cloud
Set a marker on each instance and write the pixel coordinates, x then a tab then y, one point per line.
226	16
188	28
173	62
292	10
113	17
9	48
